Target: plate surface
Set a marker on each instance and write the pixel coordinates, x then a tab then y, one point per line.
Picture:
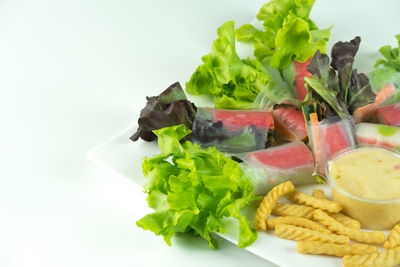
123	158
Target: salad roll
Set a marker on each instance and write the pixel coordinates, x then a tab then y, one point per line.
328	137
378	134
389	115
290	124
233	131
269	167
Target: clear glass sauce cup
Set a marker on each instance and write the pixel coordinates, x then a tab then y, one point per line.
372	214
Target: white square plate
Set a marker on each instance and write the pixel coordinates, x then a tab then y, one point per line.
123	158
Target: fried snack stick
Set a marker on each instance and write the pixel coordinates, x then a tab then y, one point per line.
296	233
323	204
319	193
297	221
356	235
387	258
340	250
268	203
284	209
340	217
393	239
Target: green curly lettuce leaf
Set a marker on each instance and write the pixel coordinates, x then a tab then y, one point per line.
288	33
192	189
232	82
294	41
391	56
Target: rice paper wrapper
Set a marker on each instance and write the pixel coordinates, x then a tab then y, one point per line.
290	124
387	95
389	115
233	131
328	137
269	167
378	134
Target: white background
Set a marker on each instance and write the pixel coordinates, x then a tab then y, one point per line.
74	73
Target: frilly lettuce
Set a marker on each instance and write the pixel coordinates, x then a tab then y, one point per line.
192	189
236	83
231	81
387	70
288	33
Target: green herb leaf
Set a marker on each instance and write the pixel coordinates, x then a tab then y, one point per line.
288	33
232	82
339	92
295	41
387	70
191	189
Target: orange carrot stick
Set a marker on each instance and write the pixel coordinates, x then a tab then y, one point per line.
317	143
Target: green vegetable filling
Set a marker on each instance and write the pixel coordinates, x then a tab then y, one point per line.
386	130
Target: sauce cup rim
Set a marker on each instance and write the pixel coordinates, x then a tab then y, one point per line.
342	191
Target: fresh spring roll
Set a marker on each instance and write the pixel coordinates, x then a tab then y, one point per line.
328	137
233	131
290	124
364	114
389	115
269	167
378	134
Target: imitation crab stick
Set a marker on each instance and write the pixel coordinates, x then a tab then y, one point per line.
301	72
364	113
269	167
389	115
237	119
233	131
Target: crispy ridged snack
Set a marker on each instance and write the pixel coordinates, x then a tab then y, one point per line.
393	239
299	234
297	221
356	235
387	258
319	193
340	250
346	220
340	217
323	204
268	203
284	209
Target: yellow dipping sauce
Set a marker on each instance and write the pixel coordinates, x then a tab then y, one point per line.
366	181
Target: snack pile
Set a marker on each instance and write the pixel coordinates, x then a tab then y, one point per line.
316	226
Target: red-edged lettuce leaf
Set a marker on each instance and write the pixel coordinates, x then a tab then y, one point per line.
360	93
168	109
337	88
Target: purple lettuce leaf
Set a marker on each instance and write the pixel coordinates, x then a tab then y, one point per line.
170	108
